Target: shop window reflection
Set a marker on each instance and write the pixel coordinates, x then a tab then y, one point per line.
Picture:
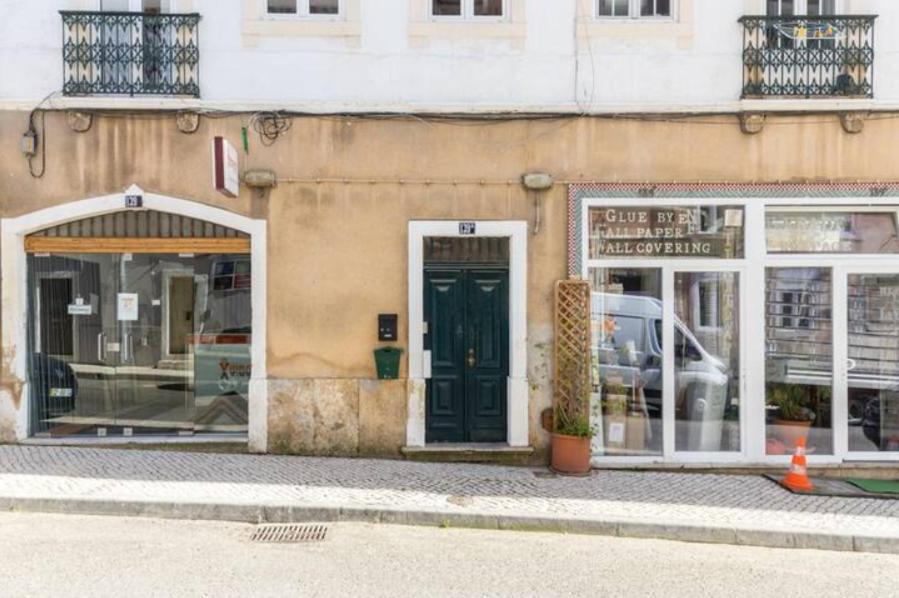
627	361
799	360
873	366
707	361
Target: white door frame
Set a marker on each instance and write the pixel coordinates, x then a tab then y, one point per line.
517	405
15	401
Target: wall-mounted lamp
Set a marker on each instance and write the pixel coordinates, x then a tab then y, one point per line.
536	182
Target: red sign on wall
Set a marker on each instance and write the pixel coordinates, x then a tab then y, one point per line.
225	167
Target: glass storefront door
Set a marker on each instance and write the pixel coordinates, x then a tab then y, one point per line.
832	361
743	326
872	364
799	359
707	361
667	320
627	362
139	344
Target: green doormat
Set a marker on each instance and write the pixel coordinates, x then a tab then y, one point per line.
876	486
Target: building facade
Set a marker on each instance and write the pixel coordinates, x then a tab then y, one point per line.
721	171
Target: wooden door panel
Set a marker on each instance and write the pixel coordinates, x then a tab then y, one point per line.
487	334
490	397
467	314
486	317
443	402
444	313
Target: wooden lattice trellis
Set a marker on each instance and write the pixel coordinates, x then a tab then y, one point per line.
572	352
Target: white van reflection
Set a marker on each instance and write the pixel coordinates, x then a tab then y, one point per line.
633	354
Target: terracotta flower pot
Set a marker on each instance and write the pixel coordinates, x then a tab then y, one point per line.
790	432
570	455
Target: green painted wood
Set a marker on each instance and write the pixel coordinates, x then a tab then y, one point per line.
467	311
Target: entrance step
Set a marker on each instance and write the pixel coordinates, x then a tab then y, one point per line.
470	453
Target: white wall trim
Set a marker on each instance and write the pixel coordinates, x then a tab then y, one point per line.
517	388
14	300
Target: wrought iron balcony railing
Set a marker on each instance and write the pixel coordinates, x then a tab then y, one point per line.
821	56
130	53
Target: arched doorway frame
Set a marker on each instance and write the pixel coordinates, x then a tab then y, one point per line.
15	401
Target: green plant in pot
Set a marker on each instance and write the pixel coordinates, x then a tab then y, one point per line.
572	430
793	418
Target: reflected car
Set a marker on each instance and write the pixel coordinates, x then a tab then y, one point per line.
54	385
702	379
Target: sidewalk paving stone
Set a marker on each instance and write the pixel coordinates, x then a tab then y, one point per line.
688	506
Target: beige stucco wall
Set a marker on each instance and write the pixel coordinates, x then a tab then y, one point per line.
337	249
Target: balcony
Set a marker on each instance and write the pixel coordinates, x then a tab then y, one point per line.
130	53
808	57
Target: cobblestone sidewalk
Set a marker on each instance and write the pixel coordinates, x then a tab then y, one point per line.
702	507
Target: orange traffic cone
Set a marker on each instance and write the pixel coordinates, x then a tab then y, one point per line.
797	478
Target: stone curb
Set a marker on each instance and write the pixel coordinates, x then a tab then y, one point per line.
255	514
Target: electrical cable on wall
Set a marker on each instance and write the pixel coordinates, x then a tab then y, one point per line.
270	126
40	142
35	138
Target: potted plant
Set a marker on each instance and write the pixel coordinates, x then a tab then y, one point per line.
571	441
572	431
793	418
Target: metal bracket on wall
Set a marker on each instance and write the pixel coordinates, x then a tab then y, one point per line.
80	122
752	123
853	122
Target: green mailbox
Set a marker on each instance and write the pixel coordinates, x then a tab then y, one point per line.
387	360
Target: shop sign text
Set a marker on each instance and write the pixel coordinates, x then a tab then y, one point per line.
642	232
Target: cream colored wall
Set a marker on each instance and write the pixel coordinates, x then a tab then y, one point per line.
338	217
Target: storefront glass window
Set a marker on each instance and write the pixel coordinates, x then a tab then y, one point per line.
799	359
139	344
666	231
707	361
873	305
627	360
831	232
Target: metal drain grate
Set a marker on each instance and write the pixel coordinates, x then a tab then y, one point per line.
287	533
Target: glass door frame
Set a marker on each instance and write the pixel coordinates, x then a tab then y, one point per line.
841	267
669	267
752	270
842	273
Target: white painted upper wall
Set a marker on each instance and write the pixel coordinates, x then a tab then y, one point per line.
388	55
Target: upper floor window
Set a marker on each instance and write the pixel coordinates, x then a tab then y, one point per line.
151	7
789	8
468	8
634	8
304	8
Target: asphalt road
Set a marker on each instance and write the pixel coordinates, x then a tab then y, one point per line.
43	555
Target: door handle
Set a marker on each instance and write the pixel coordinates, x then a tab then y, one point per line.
471	358
101	348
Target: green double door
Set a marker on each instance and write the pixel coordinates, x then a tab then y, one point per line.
467	316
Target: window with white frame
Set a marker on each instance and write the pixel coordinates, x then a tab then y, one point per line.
468	9
634	9
303	8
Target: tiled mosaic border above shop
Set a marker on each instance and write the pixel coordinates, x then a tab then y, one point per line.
577	193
